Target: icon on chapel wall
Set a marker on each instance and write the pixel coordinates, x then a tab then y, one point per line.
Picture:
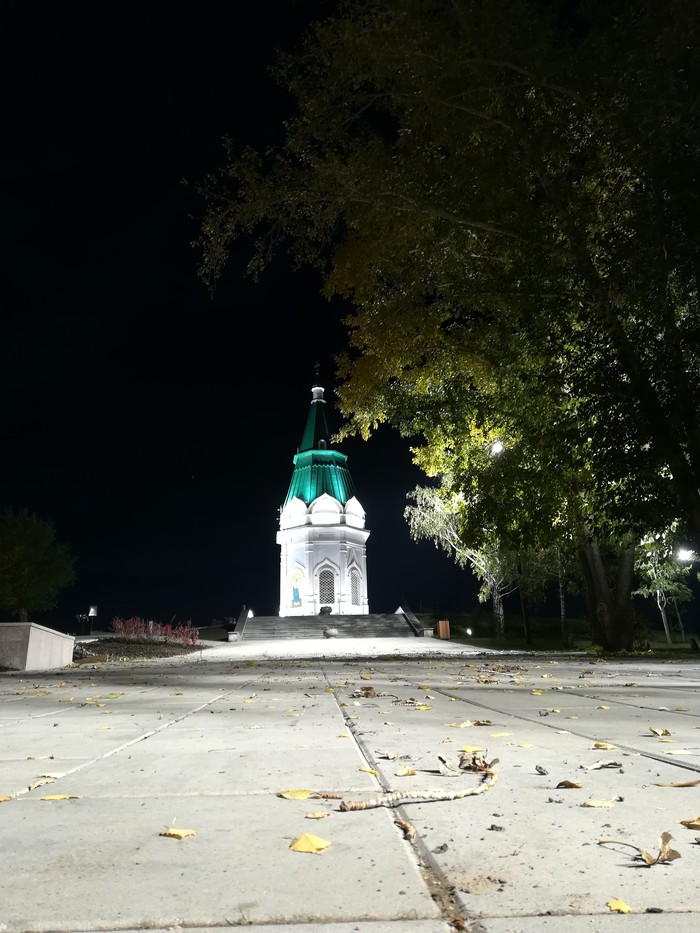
295	580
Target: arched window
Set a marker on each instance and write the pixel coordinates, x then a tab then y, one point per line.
354	588
326	587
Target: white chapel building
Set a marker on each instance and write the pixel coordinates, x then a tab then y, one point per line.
322	530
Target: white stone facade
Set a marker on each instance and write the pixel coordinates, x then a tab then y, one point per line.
324	558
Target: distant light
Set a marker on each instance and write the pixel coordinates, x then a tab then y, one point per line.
93	611
685	554
469	632
250	614
497	447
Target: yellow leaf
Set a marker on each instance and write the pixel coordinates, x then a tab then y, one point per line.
53	774
483	722
619	906
309	843
61	797
606	745
656	731
405	772
249	701
342	735
602	707
680	784
470	749
499	735
296	794
525	745
176	693
365	677
40	782
370	771
318	815
537	692
5	799
115	696
691	824
682	709
600	804
173	833
568	784
424	707
460	725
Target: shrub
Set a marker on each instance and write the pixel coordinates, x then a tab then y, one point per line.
138	629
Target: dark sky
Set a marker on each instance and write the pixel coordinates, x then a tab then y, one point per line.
154	424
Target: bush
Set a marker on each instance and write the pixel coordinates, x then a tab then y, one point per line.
138	629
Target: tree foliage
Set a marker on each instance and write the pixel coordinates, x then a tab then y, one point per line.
505	192
34	566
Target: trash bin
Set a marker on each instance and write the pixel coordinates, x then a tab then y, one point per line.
443	628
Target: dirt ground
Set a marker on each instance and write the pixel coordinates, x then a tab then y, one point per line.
117	649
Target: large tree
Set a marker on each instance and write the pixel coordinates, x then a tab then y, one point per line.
506	192
34	566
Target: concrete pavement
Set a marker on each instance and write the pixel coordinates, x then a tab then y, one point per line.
207	742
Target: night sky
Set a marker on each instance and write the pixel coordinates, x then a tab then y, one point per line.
153	423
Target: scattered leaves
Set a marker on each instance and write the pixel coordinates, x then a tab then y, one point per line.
309	843
296	794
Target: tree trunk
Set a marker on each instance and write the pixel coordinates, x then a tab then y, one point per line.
610	615
499	619
681	629
661	603
565	630
523	607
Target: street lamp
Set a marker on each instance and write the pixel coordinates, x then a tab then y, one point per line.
497	447
685	554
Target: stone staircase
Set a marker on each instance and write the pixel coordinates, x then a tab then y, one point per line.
377	625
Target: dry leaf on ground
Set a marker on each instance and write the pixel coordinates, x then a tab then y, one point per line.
600	804
679	784
173	833
409	831
657	731
619	906
296	794
691	824
41	781
5	799
607	745
61	797
597	765
309	843
317	815
405	772
370	771
665	853
567	784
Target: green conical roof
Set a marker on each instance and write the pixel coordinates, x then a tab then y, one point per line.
317	468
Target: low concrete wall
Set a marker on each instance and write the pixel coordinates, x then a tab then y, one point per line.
26	646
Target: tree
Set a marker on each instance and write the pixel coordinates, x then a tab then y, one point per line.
504	190
435	518
34	567
660	574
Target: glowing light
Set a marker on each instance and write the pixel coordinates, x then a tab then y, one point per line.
497	447
685	554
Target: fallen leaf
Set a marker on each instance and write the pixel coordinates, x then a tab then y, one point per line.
680	784
173	833
405	772
619	906
568	784
5	799
309	843
40	782
176	693
483	722
525	745
537	692
409	831
296	794
499	735
597	765
691	824
424	706
61	797
370	771
365	676
600	804
460	725
115	696
470	749
656	731
602	707
318	815
53	774
682	709
606	745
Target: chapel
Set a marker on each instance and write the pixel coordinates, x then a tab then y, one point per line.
322	534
